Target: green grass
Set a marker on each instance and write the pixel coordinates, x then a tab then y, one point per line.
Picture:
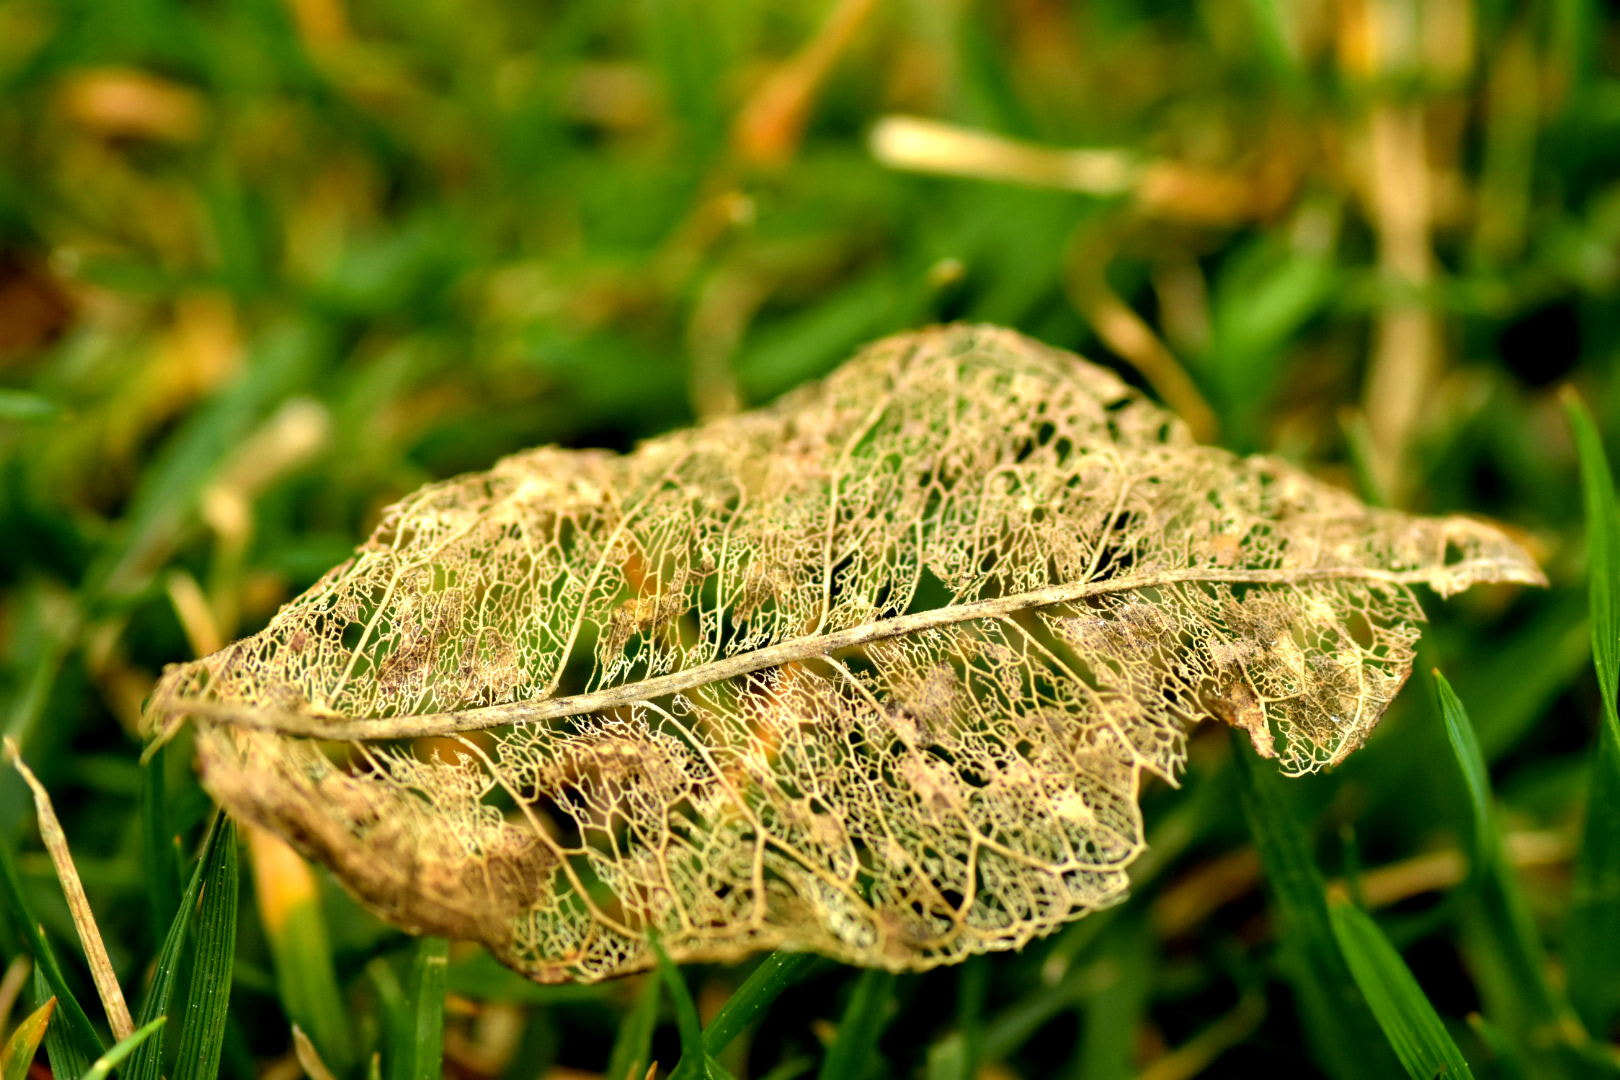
322	252
1594	932
119	1055
415	1047
1413	1028
219	855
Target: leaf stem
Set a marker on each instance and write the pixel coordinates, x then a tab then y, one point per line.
793	650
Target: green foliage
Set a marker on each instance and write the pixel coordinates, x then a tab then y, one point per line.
416	1046
775	973
1111	1019
1409	1021
317	254
1497	933
1594	933
103	1066
301	951
1485	839
1603	554
1334	1011
694	1048
64	1054
633	1048
208	997
854	1050
70	1015
158	837
146	1063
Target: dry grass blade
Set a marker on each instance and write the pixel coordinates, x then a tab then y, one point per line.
17	1055
309	1059
915	143
13	981
874	672
84	920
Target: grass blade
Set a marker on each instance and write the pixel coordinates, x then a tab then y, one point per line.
209	995
1414	1029
694	1055
686	1015
95	950
418	1050
309	1058
289	903
1497	931
104	1065
1485	841
19	1050
854	1051
633	1047
146	1063
1603	555
682	49
60	1048
957	1055
162	871
21	405
391	1006
1113	1015
971	993
1343	1033
1594	918
776	973
73	1024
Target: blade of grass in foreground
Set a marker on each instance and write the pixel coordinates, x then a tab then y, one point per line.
106	1063
209	995
1485	840
1603	554
775	973
1343	1033
147	1061
1498	933
418	1041
72	1021
695	1057
84	919
853	1053
19	1049
686	1017
1414	1029
1594	919
63	1053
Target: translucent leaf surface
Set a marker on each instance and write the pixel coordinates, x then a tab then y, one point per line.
876	671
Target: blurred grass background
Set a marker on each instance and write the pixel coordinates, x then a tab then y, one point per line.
267	265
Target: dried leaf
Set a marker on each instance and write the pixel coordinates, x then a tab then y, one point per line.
873	672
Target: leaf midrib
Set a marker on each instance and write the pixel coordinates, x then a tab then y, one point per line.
808	647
